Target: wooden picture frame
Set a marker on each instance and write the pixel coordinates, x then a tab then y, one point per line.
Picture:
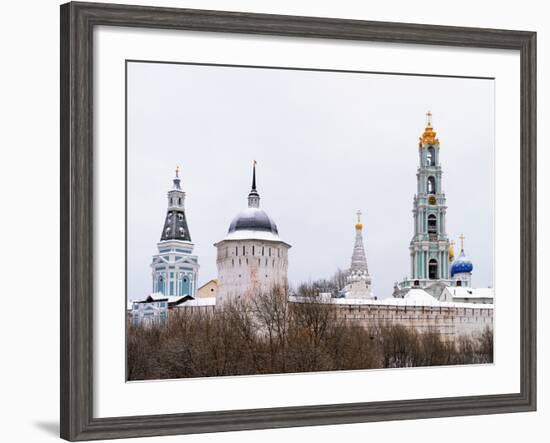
77	23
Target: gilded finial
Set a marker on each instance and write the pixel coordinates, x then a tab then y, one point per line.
461	242
177	171
359	225
429	135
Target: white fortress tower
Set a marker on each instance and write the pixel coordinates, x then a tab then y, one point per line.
358	279
175	268
252	258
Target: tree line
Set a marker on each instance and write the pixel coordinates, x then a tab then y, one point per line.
268	335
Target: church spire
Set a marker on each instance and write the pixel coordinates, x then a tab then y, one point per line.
358	278
254	196
359	259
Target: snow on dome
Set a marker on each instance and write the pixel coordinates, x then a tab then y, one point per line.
461	264
253	223
253	219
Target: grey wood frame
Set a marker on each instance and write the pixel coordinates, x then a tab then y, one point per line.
77	23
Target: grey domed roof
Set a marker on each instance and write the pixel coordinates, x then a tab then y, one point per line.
253	223
253	219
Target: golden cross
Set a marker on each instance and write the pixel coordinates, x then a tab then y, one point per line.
462	242
177	171
359	213
429	118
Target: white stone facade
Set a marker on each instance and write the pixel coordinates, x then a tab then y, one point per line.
247	267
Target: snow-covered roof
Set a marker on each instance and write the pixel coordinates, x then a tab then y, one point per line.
421	297
158	296
248	234
205	301
465	292
414	297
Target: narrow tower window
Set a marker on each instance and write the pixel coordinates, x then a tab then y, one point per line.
431	185
432	224
432	269
430	156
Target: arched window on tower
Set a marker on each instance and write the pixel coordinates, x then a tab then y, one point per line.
432	226
431	185
430	156
432	269
160	285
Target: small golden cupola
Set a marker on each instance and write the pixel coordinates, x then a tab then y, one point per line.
359	225
429	135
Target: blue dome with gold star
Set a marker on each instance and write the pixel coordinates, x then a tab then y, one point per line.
461	264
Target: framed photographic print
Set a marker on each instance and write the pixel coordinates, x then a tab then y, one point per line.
272	221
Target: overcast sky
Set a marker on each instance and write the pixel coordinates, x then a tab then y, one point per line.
327	144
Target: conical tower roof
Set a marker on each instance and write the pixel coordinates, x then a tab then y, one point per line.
359	258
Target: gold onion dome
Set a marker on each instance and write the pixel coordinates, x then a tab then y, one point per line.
429	135
359	226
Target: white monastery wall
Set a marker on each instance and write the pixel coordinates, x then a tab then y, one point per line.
449	321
